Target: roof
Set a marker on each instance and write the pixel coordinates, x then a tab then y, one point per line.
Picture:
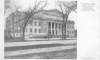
53	12
53	15
70	22
49	14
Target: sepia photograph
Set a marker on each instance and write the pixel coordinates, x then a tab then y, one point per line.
40	29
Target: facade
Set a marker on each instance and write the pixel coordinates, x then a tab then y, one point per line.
44	25
48	25
14	25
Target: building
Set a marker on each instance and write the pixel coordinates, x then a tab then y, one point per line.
45	25
13	27
48	25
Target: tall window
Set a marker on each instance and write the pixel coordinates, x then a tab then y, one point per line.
39	30
30	29
35	30
35	23
40	23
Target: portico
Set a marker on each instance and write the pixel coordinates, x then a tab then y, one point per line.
54	29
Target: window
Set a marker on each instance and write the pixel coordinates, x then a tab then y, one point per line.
35	30
39	30
40	23
30	29
35	23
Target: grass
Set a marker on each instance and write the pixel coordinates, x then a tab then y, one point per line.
64	54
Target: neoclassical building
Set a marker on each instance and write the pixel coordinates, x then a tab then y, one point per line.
48	25
45	25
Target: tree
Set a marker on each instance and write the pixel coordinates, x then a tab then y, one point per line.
13	21
66	8
38	7
7	5
10	7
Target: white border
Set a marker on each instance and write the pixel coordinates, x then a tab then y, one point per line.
88	33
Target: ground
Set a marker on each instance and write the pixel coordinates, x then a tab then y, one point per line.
51	51
65	54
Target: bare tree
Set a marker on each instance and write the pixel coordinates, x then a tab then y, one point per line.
7	5
66	8
38	7
10	6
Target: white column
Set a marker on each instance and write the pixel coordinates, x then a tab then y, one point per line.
60	29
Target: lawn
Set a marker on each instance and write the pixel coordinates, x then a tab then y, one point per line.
65	54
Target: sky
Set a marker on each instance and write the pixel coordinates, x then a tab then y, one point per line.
28	3
25	4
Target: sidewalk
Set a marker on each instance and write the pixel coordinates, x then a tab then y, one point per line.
14	49
14	44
